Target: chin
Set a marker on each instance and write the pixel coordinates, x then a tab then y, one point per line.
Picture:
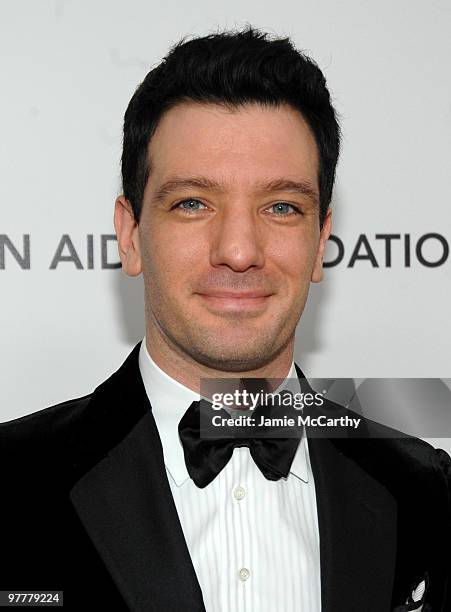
231	359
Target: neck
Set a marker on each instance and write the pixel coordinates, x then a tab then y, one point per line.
187	371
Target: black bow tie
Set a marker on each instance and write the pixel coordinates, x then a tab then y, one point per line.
205	456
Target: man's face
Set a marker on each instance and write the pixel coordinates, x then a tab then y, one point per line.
229	236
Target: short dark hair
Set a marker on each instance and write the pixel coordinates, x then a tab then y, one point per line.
231	68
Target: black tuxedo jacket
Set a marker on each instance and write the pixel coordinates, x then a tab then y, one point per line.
86	508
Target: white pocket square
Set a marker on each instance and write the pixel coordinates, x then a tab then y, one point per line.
416	598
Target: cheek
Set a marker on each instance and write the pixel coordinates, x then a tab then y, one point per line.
170	257
295	258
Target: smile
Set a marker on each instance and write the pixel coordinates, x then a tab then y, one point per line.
235	302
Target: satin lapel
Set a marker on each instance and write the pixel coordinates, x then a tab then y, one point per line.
357	527
126	506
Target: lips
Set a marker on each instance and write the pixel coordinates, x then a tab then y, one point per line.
235	301
236	294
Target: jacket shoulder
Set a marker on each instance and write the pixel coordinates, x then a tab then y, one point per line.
408	461
409	450
43	426
391	455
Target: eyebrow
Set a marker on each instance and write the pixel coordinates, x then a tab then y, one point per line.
196	182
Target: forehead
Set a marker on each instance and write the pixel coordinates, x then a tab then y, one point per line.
240	145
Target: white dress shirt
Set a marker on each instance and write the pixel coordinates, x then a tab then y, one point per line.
254	543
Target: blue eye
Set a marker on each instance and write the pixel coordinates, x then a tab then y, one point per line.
282	208
190	205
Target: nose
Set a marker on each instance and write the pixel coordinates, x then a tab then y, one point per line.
237	239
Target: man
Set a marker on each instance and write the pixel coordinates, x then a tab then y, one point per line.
229	155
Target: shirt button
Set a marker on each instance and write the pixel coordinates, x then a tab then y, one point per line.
239	493
244	574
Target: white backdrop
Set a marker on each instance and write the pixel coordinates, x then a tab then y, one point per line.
68	71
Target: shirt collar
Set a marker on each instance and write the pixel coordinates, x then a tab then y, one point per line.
170	399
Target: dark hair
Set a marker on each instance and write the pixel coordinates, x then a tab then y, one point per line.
232	68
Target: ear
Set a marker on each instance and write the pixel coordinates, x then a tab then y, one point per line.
317	272
127	237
